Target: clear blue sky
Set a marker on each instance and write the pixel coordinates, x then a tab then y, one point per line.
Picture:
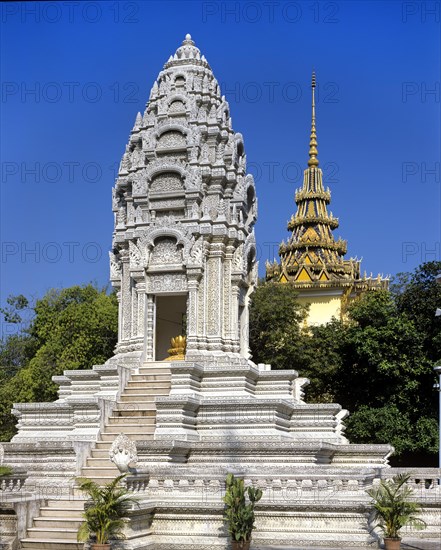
92	64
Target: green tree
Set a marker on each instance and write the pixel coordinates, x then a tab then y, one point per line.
16	306
383	356
320	360
275	320
15	353
376	364
72	328
280	337
418	296
17	345
386	378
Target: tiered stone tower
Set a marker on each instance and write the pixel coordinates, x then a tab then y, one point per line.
183	261
312	259
184	246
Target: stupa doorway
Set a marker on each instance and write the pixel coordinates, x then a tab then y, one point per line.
170	321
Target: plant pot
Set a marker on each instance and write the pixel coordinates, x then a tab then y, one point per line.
240	545
96	546
392	544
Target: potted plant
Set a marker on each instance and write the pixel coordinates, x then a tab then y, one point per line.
393	509
104	512
239	514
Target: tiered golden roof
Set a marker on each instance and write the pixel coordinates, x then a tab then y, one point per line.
312	257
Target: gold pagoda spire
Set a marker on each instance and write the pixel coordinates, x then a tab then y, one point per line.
312	256
313	152
312	259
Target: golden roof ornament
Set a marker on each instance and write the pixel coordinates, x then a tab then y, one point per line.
313	257
313	152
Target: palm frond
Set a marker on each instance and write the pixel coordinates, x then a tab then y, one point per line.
393	508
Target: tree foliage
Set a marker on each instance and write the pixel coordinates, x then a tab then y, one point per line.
275	320
279	336
378	364
418	298
73	328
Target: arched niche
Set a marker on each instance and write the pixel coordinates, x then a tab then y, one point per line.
173	139
165	252
167	182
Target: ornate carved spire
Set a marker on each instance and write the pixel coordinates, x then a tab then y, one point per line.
183	175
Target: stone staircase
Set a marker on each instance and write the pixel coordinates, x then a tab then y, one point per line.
56	527
134	415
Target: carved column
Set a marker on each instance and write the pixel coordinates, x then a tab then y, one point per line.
140	287
202	313
134	295
126	296
245	323
227	330
120	316
150	328
193	276
235	293
215	293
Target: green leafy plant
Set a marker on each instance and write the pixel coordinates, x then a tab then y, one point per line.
5	471
238	513
105	513
393	508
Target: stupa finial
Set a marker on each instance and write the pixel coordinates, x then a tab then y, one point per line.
188	40
313	152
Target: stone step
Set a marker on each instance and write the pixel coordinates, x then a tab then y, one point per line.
154	370
150	379
52	512
53	544
146	390
132	419
99	462
69	504
135	436
134	409
48	533
138	398
102	479
160	386
144	377
103	471
124	406
100	454
104	445
126	428
58	523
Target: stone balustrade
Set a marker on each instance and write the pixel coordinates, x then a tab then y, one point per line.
423	481
137	483
11	484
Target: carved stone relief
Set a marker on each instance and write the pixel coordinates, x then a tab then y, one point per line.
165	252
